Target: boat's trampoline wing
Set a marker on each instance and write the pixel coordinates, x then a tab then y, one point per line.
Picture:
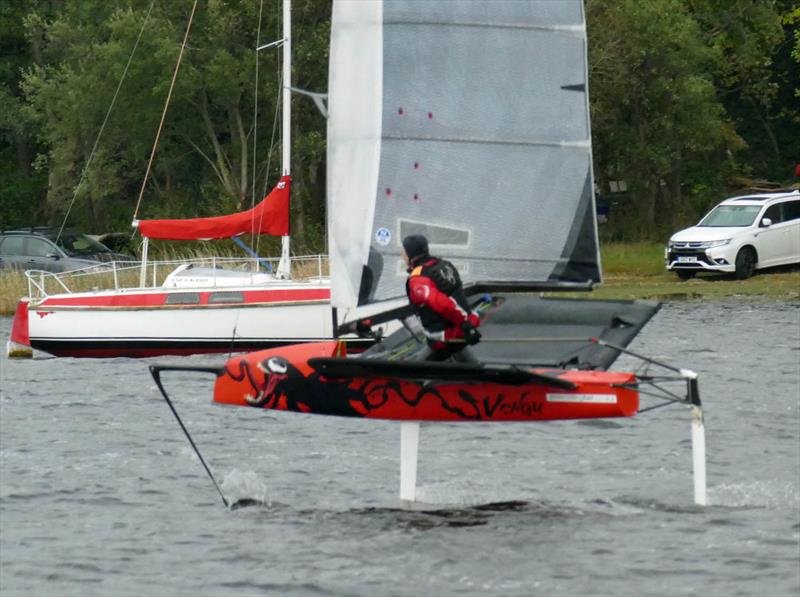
529	330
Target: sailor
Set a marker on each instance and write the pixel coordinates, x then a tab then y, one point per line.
434	289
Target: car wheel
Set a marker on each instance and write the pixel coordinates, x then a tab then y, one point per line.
684	274
745	263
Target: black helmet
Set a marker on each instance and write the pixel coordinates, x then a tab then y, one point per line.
416	247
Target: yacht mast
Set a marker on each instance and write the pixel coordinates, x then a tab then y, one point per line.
284	267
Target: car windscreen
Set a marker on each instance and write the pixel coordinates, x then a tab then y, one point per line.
723	216
76	245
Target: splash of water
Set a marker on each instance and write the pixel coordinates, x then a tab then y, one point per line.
759	494
244	487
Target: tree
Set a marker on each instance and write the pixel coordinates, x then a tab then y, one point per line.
657	122
687	98
22	187
754	77
205	162
85	49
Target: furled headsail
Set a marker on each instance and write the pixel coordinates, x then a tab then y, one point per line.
467	122
270	216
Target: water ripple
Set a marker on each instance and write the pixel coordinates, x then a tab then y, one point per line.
101	494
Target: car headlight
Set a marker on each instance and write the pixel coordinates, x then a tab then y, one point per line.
710	244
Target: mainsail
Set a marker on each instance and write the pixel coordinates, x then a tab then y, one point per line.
467	122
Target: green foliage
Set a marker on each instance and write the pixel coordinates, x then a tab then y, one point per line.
21	188
755	78
690	100
657	122
85	50
20	194
689	103
790	95
205	162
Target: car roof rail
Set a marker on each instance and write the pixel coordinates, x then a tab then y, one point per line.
41	230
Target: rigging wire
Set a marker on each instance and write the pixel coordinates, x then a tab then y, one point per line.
271	144
255	122
271	149
105	120
274	133
164	113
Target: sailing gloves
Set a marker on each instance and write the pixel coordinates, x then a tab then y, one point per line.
364	329
471	335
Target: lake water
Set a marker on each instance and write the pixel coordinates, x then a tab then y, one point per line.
100	493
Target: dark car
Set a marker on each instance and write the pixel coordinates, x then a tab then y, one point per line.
43	248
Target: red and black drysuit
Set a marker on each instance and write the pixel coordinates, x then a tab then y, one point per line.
434	289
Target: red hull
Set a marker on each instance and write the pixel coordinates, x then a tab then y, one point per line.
282	379
19	328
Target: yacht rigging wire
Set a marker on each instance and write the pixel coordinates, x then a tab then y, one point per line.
255	115
105	120
277	44
164	112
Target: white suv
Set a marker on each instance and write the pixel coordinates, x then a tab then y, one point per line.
740	235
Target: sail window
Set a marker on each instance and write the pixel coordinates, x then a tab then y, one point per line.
183	298
220	298
436	234
460	264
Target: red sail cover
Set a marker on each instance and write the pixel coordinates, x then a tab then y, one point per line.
271	216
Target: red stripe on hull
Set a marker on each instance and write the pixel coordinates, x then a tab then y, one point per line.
160	298
281	379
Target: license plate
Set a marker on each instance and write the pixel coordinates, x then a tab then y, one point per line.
687	259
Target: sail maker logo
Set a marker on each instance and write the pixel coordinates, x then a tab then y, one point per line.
587	398
383	236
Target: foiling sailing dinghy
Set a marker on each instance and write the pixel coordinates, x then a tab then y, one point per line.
467	122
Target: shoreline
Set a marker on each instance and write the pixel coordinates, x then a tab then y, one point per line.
778	284
631	271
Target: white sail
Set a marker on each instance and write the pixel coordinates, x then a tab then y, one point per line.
466	121
354	128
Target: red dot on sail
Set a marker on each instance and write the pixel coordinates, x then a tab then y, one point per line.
400	111
388	192
416	165
430	115
416	197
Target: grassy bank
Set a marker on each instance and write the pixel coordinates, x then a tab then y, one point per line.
12	287
631	271
636	270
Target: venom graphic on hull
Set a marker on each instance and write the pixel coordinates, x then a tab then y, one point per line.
282	379
284	387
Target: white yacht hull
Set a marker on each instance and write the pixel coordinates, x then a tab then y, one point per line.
159	321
